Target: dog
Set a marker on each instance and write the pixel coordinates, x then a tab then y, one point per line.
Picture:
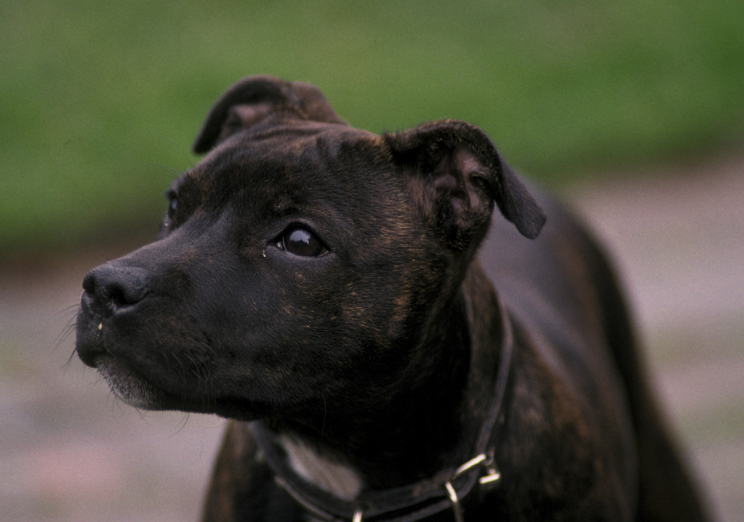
387	345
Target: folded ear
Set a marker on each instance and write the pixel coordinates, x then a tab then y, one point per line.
255	98
455	177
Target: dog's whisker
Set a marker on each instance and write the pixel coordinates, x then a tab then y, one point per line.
182	423
69	328
71	310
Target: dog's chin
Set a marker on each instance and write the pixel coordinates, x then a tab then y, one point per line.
136	390
132	388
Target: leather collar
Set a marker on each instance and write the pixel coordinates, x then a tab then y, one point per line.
413	502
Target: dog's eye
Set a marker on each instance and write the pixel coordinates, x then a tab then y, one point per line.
172	206
172	203
301	242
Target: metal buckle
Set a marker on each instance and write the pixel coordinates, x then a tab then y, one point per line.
492	472
486	460
491	477
456	507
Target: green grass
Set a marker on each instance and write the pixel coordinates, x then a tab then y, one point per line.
99	102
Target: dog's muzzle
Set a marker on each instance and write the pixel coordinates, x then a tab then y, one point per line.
110	291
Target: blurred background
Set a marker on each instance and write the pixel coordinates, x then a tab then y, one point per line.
632	111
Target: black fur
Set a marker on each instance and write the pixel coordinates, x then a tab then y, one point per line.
381	350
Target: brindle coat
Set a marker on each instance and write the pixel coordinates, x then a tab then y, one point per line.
323	281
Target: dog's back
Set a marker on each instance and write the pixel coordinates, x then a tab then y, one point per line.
564	277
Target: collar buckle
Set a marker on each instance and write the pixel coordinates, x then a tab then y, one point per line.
487	461
489	479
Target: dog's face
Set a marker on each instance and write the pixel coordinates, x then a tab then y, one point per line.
300	260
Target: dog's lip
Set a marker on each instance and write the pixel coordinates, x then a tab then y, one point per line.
126	383
90	353
130	383
138	390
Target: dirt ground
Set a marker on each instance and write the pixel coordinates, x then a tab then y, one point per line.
70	452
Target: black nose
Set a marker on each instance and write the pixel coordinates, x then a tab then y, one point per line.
110	288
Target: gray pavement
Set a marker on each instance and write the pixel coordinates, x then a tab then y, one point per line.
70	452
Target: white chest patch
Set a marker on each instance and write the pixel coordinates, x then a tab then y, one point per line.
337	479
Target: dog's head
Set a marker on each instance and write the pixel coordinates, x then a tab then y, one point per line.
300	259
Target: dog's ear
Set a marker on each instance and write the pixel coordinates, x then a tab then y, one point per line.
255	98
456	175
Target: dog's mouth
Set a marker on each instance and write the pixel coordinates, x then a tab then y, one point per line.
127	378
136	389
133	388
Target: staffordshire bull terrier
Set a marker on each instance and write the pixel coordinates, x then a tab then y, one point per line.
332	291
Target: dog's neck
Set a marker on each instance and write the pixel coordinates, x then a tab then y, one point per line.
422	430
341	480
